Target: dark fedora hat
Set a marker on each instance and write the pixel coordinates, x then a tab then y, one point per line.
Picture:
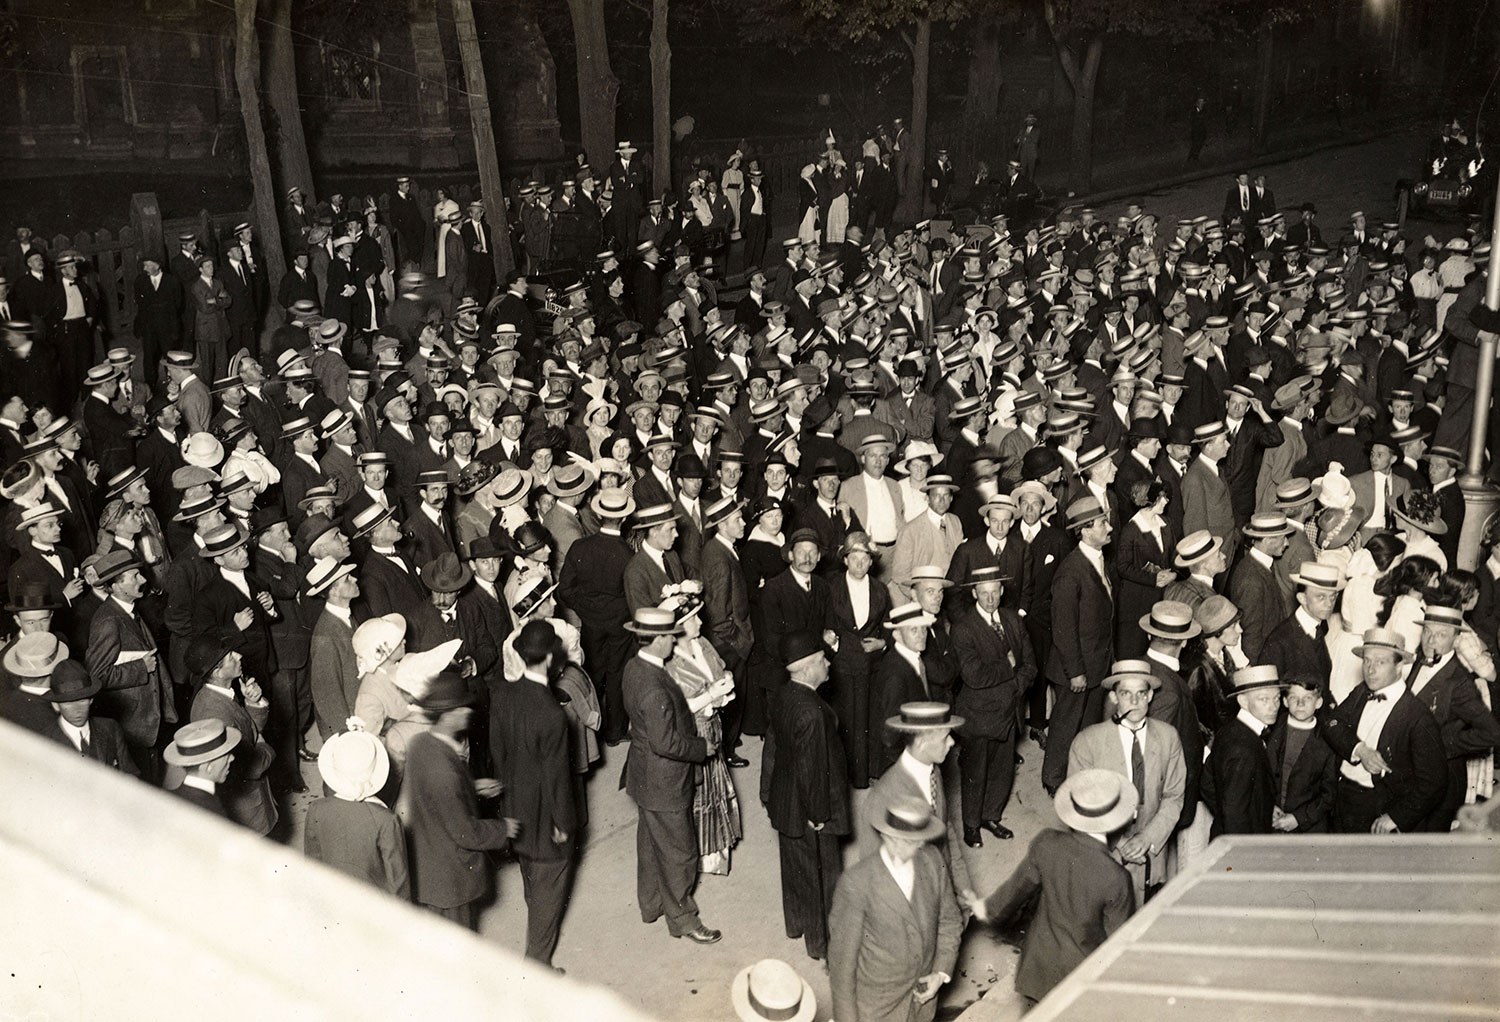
448	691
799	646
445	573
71	681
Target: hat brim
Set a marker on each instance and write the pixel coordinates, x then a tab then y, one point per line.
908	727
739	998
1108	823
922	621
652	631
1437	527
352	789
1193	630
1404	655
1298	579
1251	533
1216	545
232	738
933	828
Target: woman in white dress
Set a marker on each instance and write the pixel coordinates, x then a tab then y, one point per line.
807	198
732	182
838	205
1335	534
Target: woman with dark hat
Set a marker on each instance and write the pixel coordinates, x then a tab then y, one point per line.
1144	559
763	558
1210	659
857	609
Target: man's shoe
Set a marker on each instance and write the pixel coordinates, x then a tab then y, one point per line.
1039	735
1020	759
998	829
738	762
702	935
307	757
612	742
972	838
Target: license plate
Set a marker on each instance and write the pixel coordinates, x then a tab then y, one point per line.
1440	196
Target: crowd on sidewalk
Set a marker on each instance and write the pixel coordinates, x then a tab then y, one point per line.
1176	500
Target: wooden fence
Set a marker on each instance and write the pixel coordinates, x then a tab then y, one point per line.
112	258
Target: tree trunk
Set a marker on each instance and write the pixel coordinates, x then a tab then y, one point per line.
491	185
914	197
597	85
661	97
280	69
1083	78
1265	65
982	97
247	82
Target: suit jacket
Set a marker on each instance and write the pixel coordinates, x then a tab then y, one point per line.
592	584
334	674
158	310
427	538
920	542
1276	465
1099	746
915	419
140	699
644	580
362	839
1306	787
880	943
446	835
894	682
1294	652
106	744
529	736
1240	468
566	528
1451	501
1085	896
1261	601
726	603
1082	623
215	604
895	785
1206	502
246	793
386	589
109	436
665	745
1364	496
1239	784
785	607
1466	724
996	670
30	566
1411	745
831	530
809	778
1014	563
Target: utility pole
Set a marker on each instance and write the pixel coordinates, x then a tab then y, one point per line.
491	185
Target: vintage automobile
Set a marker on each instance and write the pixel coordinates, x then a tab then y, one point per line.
1452	183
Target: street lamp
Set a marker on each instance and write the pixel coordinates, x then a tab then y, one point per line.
1480	499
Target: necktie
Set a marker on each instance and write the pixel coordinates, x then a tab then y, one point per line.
239	691
1138	766
932	787
1321	632
83	744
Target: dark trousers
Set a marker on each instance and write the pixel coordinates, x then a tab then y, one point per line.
547	883
1040	633
1440	820
291	714
988	769
1355	808
75	353
1071	713
732	716
810	869
605	655
755	239
666	868
464	915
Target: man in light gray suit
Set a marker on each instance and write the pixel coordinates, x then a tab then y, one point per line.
1147	753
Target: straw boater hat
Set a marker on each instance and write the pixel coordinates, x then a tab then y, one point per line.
613	502
1248	679
924	716
1034	488
1268	524
202	741
651	622
909	818
1295	492
1384	638
1437	615
930	573
1196	546
1095	801
909	615
1170	620
354	764
771	991
1084	512
35	655
1215	614
327	571
1126	670
1317	575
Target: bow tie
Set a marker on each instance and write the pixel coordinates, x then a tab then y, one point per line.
1378	697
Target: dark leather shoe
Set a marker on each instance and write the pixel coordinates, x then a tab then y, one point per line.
738	762
972	838
998	829
702	935
1039	735
1020	759
307	757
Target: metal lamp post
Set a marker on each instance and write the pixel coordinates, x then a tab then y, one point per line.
1481	500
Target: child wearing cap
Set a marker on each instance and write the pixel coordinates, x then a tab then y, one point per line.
1306	768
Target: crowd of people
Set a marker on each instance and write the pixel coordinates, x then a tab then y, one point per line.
1174	504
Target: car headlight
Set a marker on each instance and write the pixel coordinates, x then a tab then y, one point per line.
1464	191
1420	187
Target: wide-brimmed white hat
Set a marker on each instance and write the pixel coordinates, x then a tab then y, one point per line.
771	989
354	765
1095	801
203	450
376	640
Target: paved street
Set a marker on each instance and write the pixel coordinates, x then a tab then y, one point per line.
603	940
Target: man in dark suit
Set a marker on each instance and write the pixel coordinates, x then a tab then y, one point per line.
895	925
203	751
479	241
110	431
529	743
656	564
659	777
1253	586
229	597
448	836
485	600
1299	645
809	794
901	675
1448	689
823	513
1394	774
42	558
1249	438
592	585
794	601
1239	784
226	693
726	609
997	547
1082	645
997	667
71	691
392	585
1239	201
244	308
299	284
429	531
123	657
1442	471
159	301
73	319
1086	895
